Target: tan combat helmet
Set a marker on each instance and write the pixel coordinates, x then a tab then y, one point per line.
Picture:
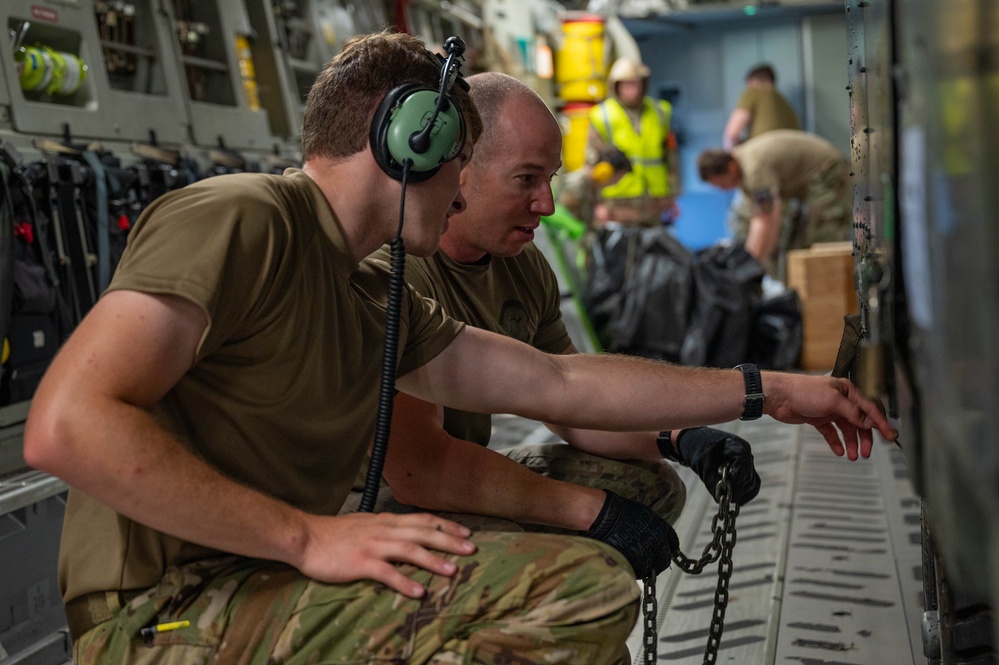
626	69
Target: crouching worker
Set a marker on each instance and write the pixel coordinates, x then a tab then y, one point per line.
211	412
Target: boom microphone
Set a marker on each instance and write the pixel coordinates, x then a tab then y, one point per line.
455	48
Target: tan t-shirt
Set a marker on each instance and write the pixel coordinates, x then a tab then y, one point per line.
283	392
517	297
784	162
768	110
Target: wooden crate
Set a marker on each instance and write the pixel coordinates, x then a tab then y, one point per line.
823	277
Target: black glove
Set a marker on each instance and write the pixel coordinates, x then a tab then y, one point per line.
646	540
705	450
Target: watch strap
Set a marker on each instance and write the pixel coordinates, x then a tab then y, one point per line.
665	443
752	407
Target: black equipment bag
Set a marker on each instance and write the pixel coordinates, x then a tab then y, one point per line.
637	291
778	332
728	285
34	314
64	224
648	295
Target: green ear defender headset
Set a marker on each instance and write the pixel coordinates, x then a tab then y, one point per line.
419	124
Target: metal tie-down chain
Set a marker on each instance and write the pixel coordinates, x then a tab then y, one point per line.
719	549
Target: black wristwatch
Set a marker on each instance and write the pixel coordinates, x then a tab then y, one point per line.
752	408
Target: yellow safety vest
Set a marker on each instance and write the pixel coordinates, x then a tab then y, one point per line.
648	175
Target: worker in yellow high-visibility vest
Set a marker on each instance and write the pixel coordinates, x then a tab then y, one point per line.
639	126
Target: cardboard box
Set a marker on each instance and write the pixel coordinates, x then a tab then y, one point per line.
823	277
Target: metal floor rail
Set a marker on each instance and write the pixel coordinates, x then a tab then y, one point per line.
826	564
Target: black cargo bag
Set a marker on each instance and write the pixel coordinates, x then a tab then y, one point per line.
728	285
637	291
778	333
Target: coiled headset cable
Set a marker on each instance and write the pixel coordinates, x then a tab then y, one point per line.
386	391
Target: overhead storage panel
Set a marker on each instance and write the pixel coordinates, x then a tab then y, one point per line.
144	85
54	68
212	46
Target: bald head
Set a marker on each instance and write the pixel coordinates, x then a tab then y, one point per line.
507	185
491	92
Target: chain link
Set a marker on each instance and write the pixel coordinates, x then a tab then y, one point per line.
649	611
719	549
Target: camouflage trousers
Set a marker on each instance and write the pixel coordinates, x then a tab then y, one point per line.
827	209
521	598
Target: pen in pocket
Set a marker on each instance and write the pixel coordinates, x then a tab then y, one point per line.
150	631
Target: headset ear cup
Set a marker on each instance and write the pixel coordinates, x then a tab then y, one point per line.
403	113
379	131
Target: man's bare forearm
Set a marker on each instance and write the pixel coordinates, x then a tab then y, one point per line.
428	468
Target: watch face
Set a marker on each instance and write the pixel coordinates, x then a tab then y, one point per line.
753	408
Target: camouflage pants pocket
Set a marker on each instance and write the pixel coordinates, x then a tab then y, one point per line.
228	610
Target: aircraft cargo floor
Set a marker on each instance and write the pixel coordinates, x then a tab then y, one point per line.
826	563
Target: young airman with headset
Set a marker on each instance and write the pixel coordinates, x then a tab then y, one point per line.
211	411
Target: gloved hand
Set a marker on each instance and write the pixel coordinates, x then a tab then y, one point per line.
646	540
705	450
